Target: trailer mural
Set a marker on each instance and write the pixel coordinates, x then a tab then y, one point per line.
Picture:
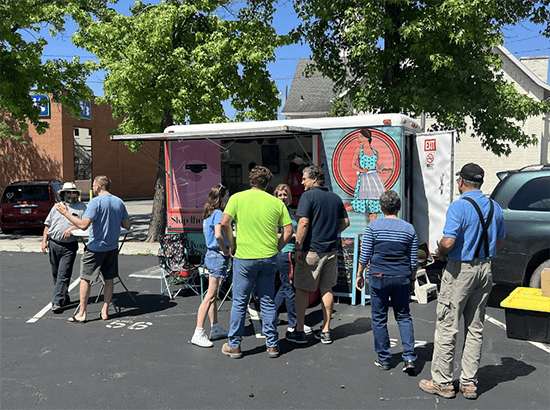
364	163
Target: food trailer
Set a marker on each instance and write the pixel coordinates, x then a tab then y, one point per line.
418	166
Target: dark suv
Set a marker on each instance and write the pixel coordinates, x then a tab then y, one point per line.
26	204
524	196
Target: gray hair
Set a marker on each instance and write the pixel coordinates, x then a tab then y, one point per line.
390	203
316	173
471	184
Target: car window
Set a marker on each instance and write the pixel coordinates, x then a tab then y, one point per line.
534	195
26	193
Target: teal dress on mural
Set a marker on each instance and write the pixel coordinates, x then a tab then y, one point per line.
369	186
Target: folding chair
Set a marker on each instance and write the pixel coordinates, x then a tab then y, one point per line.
175	253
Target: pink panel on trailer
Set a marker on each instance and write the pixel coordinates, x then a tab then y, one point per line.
194	169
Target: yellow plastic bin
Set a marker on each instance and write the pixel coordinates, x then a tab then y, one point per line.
527	315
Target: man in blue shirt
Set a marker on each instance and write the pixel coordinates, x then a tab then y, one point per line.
469	244
105	215
322	216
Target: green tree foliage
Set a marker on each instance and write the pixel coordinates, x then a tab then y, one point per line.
177	62
22	68
180	58
432	57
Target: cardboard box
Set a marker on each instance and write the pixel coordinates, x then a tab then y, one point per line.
527	315
545	282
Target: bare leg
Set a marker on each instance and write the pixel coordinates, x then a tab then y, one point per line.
209	304
107	297
301	301
327	302
84	295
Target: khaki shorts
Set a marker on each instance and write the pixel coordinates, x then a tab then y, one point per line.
317	269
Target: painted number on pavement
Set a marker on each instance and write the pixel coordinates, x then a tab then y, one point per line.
118	324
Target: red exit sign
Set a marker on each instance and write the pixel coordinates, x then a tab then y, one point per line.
429	145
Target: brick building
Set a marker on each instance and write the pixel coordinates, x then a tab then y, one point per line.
79	149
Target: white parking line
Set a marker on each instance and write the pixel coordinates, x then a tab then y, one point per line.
541	346
39	315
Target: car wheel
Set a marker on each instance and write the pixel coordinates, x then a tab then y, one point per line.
535	281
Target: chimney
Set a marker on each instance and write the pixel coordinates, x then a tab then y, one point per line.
538	66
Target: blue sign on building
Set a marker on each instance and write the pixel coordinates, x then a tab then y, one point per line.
86	111
43	102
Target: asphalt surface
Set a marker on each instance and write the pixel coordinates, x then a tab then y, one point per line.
142	358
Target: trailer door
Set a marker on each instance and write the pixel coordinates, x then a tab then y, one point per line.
432	183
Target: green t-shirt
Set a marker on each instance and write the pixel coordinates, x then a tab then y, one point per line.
257	215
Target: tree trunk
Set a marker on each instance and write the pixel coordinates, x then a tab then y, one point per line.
157	227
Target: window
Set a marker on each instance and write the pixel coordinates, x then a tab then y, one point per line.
534	195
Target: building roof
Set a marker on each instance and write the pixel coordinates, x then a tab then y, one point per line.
308	96
505	53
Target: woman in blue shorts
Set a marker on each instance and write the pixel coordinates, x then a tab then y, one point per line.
217	262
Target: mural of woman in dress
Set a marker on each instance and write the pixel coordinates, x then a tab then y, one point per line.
369	184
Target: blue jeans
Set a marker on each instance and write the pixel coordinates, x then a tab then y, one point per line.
382	289
62	258
286	291
247	274
217	264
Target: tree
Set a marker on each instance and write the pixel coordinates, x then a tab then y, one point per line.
177	62
22	68
432	57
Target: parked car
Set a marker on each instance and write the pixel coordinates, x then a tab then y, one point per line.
25	204
524	196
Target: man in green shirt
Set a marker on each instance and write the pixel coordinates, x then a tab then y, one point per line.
257	215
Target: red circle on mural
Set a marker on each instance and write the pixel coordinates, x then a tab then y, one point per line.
389	158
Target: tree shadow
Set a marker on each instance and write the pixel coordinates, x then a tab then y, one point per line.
26	160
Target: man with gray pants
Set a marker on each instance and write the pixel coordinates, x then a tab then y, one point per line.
474	230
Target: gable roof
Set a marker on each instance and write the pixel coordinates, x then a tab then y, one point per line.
308	96
505	53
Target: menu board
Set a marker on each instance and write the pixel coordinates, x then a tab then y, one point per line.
347	262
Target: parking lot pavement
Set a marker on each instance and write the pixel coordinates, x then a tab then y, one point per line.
142	358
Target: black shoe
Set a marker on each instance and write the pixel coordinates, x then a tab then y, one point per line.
409	367
381	365
324	337
56	308
296	337
65	301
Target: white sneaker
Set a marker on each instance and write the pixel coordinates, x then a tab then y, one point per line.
308	330
200	339
218	333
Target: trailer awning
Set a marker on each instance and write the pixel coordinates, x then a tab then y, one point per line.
242	130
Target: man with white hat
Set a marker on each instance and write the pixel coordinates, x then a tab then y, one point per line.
61	244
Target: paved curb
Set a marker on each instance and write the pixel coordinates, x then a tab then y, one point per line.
12	243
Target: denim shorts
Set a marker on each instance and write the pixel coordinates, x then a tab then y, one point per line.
217	264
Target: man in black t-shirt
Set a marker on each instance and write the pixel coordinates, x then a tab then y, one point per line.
322	216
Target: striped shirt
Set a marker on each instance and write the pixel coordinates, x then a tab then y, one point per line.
390	246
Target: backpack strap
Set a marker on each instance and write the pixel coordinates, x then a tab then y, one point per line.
484	225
